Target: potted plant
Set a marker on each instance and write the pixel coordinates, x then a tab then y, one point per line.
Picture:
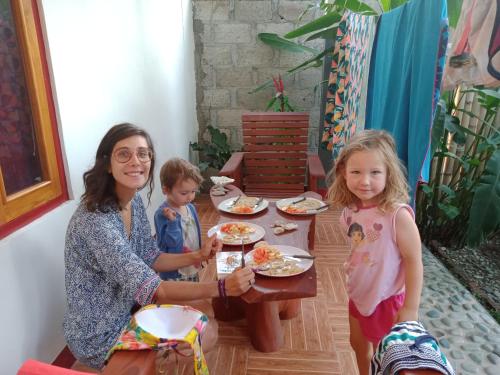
213	154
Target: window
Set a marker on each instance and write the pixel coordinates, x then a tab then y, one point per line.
31	174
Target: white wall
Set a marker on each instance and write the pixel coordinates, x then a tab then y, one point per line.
111	61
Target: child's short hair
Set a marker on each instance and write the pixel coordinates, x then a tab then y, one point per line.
177	169
396	187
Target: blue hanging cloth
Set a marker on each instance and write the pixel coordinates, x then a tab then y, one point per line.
405	77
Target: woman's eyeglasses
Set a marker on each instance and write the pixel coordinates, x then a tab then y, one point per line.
123	155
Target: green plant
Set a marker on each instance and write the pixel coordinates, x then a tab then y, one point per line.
279	102
464	208
325	27
214	153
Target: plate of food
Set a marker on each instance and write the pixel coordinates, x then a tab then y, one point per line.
233	232
278	260
301	206
243	205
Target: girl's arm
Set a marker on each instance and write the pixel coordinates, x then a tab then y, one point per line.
409	244
170	262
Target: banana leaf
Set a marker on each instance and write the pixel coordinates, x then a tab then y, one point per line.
320	23
485	209
329	33
275	41
359	7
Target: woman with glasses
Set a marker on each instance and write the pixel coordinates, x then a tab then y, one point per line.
111	259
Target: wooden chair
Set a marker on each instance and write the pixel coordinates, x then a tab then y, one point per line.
275	161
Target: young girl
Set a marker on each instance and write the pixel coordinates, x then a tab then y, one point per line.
384	270
176	221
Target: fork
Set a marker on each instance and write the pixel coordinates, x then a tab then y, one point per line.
242	253
259	201
298	201
232	204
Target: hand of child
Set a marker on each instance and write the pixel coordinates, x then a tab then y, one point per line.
211	247
169	213
406	314
239	281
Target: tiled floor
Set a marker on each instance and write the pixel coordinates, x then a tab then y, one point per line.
317	341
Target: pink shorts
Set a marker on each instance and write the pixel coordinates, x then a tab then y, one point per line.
380	322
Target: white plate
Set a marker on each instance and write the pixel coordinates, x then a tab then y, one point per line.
221	180
282	204
257	234
305	264
225	206
172	322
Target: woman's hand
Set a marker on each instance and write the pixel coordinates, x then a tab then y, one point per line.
239	281
211	247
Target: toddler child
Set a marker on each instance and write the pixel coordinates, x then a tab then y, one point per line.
384	270
176	221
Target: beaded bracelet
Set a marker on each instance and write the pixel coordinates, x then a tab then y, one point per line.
221	284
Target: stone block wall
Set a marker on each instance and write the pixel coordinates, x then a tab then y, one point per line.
231	61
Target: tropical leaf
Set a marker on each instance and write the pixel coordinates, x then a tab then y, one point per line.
485	209
449	210
318	24
275	41
329	33
454	8
386	5
305	11
359	7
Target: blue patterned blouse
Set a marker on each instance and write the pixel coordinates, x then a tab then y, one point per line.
106	273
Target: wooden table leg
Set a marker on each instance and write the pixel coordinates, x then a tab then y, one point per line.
289	308
234	310
264	326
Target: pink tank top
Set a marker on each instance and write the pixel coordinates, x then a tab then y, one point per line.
374	268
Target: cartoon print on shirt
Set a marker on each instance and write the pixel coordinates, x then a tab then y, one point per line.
357	235
358	238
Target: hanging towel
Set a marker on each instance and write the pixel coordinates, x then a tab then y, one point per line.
475	46
348	80
405	77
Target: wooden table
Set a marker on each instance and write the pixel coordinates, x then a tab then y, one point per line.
270	298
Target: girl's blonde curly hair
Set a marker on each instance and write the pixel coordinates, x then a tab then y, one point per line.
396	187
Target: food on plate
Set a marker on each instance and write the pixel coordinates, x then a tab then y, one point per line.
263	253
245	205
235	239
237	229
271	262
242	209
302	206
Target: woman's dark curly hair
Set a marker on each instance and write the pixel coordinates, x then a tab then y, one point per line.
99	183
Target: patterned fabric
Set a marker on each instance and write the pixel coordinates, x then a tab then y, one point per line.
134	337
374	268
345	101
170	235
475	44
19	158
404	79
106	272
408	346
